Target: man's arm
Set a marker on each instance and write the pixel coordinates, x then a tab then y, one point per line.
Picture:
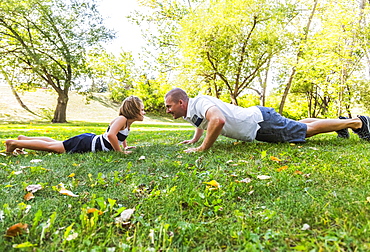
216	121
197	135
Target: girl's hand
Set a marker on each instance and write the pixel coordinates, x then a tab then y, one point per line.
127	152
130	147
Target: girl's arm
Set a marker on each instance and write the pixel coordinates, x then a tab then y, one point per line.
118	124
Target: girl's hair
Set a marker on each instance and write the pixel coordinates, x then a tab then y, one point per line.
131	107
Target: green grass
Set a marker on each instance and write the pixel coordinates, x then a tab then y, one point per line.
325	184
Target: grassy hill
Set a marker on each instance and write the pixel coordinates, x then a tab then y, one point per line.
43	102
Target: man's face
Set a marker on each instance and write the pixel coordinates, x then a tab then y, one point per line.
176	109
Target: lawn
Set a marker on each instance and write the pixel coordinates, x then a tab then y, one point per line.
236	197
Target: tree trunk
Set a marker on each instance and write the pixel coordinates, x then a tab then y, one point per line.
17	97
61	109
289	84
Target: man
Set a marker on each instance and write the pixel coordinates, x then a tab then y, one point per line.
256	122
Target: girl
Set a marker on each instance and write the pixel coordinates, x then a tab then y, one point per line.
131	110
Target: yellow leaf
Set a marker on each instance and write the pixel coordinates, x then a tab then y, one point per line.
68	193
24	245
71	175
275	159
213	183
282	168
92	210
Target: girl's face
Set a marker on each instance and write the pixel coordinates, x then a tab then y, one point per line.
140	117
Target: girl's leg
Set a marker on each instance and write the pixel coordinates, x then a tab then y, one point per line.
46	139
54	146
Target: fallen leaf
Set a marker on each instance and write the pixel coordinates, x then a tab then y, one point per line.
68	193
33	188
263	177
282	168
28	196
18	172
305	227
16	229
124	216
307	175
298	172
24	245
246	180
92	210
142	158
36	161
275	159
28	208
368	199
72	236
71	175
213	183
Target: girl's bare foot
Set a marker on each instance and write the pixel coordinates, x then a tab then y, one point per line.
21	137
10	147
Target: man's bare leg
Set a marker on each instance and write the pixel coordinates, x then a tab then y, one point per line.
319	126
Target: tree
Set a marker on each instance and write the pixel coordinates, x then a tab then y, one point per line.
229	43
331	61
49	38
304	37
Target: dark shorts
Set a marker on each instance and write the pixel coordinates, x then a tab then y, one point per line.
277	129
79	144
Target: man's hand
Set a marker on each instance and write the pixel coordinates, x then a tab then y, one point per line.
188	141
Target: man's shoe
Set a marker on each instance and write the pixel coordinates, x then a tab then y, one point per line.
343	133
364	131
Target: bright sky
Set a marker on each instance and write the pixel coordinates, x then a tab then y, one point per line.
128	36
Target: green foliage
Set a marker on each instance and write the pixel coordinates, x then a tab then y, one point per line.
44	43
228	44
319	183
151	91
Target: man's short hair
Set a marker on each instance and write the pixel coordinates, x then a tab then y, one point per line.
177	94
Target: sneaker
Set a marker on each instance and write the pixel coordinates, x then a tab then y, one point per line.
343	133
364	131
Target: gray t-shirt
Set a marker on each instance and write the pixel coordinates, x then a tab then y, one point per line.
241	123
